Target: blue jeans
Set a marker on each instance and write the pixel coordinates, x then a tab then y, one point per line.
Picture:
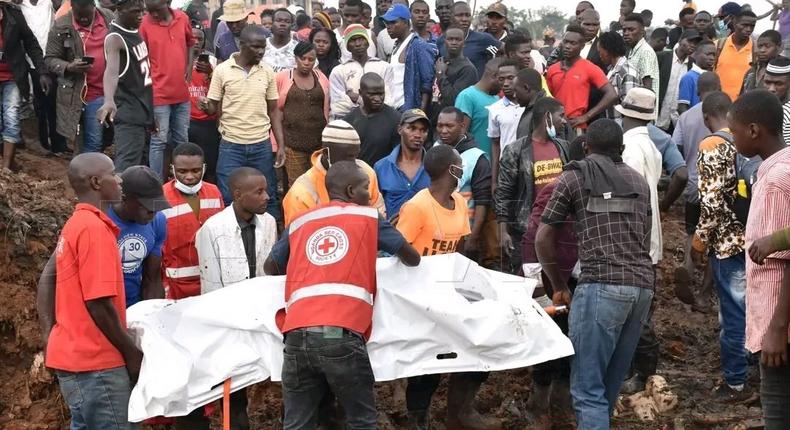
92	129
257	155
314	366
604	326
729	275
97	400
12	102
173	121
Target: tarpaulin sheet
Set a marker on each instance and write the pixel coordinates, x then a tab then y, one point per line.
446	315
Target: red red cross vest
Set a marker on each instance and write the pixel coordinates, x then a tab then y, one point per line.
331	274
180	265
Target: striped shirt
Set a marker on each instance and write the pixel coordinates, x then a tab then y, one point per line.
769	212
786	123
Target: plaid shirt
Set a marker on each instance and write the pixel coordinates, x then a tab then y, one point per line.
645	61
614	248
623	77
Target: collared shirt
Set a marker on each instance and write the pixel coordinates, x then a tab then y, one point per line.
613	248
668	114
243	96
687	89
87	251
718	227
280	58
586	48
93	41
347	76
168	50
644	60
769	212
732	65
396	187
689	132
623	77
642	155
248	240
503	118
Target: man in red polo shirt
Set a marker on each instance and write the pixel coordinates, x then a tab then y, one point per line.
571	80
94	358
168	34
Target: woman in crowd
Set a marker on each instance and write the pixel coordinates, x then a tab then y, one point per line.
304	102
203	127
327	49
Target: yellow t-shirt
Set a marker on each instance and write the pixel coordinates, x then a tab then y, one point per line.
430	227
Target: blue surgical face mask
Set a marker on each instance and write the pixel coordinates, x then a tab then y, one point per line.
550	129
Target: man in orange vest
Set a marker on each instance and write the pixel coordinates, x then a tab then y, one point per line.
192	202
329	257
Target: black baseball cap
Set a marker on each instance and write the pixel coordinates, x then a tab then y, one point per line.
143	184
691	35
413	115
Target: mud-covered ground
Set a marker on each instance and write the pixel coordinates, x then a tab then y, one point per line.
35	203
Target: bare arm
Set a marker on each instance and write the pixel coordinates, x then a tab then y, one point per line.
277	129
152	278
647	82
609	99
407	254
106	318
545	245
676	186
495	150
112	48
45	299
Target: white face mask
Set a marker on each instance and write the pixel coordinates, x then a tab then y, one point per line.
186	189
457	178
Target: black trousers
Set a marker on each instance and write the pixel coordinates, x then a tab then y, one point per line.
46	112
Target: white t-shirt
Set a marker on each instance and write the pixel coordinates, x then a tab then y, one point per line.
39	18
640	154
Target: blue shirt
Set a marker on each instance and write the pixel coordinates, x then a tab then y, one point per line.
687	91
474	104
390	241
135	243
671	158
393	183
479	48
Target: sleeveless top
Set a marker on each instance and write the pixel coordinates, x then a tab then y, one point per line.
134	95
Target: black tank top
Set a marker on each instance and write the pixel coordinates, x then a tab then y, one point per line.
134	96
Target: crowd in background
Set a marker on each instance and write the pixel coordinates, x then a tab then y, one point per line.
554	159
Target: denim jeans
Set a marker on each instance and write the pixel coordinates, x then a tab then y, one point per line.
92	129
258	155
775	396
97	400
173	122
604	326
314	365
12	102
729	276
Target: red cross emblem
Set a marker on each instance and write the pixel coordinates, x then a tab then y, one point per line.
327	246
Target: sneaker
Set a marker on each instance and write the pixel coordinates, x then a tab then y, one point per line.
726	394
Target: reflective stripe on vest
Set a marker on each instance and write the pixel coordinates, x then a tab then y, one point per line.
184	208
332	211
330	289
182	272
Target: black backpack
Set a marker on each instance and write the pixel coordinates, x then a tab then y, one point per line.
745	175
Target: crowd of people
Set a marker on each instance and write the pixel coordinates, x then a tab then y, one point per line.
307	146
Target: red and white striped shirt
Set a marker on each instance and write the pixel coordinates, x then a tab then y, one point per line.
769	211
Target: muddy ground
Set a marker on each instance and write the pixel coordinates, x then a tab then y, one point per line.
35	203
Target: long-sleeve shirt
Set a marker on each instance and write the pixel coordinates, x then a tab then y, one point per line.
460	75
419	72
718	227
347	77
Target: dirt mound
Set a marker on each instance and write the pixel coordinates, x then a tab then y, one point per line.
35	203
